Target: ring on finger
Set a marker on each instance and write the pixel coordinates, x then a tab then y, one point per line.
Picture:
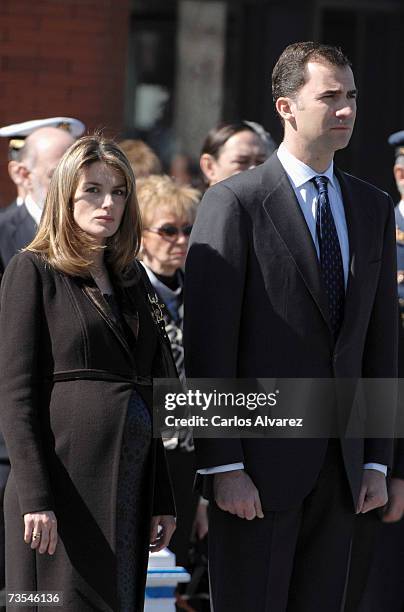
36	536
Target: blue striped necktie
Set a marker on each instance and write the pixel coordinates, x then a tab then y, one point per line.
332	270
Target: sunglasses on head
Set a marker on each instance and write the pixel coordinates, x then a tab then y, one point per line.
171	231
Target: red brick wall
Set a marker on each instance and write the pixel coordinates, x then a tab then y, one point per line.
61	57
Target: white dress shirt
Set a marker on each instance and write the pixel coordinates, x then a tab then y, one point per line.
300	176
34	210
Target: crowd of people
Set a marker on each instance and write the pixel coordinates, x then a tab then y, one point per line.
114	274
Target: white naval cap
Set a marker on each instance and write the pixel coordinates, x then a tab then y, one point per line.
17	132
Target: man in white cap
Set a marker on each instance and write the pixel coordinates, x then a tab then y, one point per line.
16	135
34	160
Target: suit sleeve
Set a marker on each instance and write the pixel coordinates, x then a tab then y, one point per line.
381	349
163	501
213	296
21	318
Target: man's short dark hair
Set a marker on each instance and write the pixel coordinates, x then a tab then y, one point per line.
289	73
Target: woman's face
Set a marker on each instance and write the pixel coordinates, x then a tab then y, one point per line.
241	151
99	201
163	250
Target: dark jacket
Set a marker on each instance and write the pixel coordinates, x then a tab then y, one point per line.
66	375
17	229
255	307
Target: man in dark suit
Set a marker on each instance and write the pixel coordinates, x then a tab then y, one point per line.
291	274
376	573
36	146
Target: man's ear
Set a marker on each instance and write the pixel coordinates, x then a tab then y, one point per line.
23	175
398	171
13	172
207	163
284	108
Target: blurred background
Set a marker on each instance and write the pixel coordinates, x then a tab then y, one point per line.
167	71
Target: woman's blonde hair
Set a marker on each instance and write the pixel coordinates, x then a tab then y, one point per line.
157	191
59	239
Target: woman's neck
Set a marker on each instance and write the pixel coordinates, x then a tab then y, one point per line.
100	274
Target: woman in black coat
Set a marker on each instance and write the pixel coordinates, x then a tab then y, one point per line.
81	339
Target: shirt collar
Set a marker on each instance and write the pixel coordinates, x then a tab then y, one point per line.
161	287
34	210
299	172
401	207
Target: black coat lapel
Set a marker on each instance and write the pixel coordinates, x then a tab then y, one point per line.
92	292
129	309
284	210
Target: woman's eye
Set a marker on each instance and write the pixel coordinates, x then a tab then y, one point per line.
91	190
120	192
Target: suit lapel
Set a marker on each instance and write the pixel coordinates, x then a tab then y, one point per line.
283	209
285	213
358	237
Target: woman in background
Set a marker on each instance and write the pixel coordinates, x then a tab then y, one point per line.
168	212
231	147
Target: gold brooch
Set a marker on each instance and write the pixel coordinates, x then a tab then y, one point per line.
156	308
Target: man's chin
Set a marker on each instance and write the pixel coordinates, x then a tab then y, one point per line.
341	138
342	144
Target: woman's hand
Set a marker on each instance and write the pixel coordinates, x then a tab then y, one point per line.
41	531
161	529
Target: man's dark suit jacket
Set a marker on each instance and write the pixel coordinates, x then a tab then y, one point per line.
17	229
255	307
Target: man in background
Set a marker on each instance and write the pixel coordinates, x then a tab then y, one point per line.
32	169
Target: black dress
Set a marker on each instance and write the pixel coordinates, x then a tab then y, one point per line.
131	533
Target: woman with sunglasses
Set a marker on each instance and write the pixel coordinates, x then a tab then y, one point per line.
168	212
